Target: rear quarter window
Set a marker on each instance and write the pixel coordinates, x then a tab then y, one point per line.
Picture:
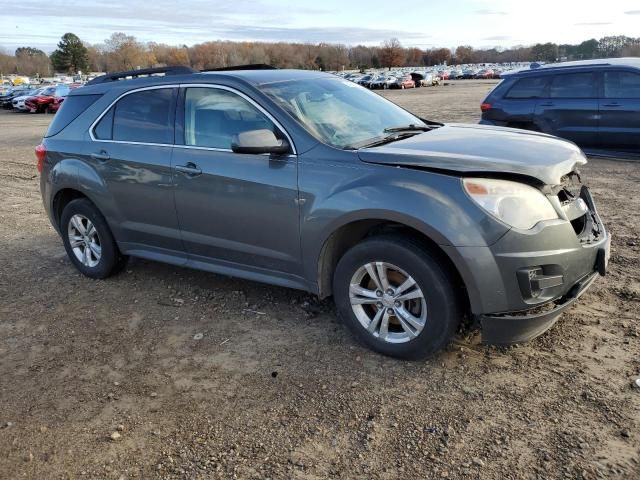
72	106
533	87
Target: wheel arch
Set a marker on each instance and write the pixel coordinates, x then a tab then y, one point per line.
71	178
349	234
61	199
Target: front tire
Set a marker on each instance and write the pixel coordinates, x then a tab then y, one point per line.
396	297
88	240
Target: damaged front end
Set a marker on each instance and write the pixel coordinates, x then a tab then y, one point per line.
551	280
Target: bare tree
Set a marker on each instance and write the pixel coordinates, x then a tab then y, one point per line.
392	54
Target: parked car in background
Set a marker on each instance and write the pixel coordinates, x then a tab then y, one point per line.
429	80
485	74
364	81
594	103
41	103
7	97
383	81
404	82
304	180
55	105
18	103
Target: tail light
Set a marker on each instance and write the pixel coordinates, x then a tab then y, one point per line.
485	107
41	154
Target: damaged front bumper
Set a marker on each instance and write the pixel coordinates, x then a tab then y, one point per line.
507	329
518	290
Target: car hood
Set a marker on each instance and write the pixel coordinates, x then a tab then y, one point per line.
484	150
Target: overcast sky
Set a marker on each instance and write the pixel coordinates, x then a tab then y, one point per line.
422	23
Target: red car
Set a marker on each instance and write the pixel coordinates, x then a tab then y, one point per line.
485	74
42	103
405	82
55	105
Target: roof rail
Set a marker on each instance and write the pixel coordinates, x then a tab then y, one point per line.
253	66
575	65
113	77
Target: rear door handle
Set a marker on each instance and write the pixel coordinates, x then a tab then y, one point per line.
614	104
190	169
102	156
548	104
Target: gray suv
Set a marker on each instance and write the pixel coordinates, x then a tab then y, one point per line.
308	181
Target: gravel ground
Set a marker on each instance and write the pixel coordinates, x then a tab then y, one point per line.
163	372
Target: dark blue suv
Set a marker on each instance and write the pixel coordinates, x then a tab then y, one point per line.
594	103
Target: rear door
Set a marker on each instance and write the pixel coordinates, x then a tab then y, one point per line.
620	110
131	150
518	105
570	109
236	210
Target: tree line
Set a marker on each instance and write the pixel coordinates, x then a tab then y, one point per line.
124	52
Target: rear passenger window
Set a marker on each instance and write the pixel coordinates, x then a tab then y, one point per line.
214	116
573	85
143	117
621	85
529	88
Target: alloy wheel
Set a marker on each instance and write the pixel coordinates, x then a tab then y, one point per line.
84	240
388	302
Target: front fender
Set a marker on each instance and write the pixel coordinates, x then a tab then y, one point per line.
431	203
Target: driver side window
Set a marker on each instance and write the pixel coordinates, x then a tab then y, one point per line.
213	117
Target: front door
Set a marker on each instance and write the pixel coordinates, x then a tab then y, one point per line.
235	210
620	111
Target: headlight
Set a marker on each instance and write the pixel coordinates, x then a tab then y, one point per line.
516	204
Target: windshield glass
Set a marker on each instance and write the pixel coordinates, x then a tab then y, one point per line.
338	112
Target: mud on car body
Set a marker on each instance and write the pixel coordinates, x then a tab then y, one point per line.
308	181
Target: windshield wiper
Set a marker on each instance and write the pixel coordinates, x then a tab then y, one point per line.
408	128
388	139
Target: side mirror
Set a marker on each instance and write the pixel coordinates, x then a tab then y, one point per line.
259	141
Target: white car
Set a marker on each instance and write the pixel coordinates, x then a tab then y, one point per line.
18	102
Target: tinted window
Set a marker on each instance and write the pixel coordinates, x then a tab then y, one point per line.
144	117
529	88
573	85
104	129
69	110
621	85
213	117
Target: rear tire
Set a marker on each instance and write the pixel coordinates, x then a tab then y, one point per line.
434	307
94	251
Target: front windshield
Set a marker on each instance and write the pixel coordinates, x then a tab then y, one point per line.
338	112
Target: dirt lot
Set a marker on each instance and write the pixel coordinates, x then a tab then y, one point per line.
286	393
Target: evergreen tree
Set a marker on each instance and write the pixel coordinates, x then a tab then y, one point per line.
71	55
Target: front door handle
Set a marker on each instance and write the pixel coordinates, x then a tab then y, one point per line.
102	156
614	104
190	169
548	104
